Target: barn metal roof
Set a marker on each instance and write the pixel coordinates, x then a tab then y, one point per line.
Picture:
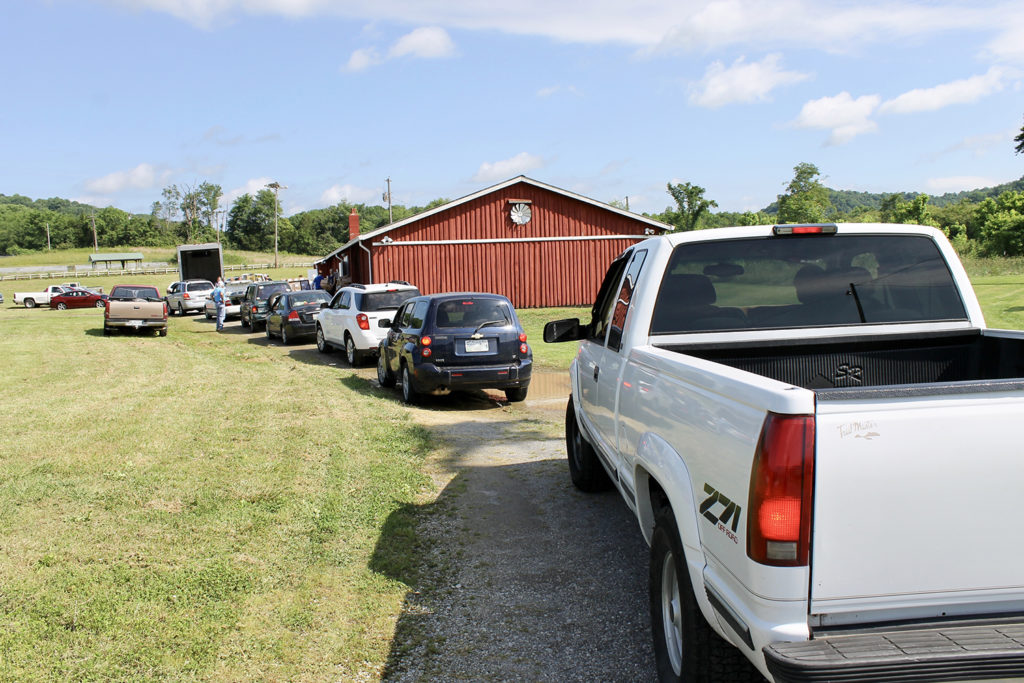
373	234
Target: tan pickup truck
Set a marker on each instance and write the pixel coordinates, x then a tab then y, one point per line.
135	307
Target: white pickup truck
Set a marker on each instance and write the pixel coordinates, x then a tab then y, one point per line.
818	436
33	299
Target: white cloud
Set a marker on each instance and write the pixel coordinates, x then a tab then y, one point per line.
742	82
251	186
361	59
509	168
348	193
964	91
141	177
429	42
960	183
844	116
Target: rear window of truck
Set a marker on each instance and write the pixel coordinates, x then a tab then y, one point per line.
766	283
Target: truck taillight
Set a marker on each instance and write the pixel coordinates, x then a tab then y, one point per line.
106	308
363	321
782	492
166	309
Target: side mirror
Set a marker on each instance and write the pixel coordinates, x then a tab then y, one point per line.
384	323
563	331
324	304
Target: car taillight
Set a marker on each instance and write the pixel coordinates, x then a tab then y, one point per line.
185	296
425	342
363	321
294	315
782	492
523	348
522	337
255	308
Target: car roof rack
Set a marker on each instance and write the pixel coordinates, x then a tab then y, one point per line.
356	285
399	282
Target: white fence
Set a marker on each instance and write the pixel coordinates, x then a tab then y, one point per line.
74	275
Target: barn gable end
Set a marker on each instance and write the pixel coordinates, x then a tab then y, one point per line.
556	258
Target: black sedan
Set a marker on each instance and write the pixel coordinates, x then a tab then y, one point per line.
445	342
291	315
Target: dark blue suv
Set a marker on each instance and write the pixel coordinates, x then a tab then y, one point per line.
444	342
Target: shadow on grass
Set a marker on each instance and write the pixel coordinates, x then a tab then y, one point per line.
515	575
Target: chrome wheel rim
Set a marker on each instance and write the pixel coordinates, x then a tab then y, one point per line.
671	613
320	345
406	389
350	351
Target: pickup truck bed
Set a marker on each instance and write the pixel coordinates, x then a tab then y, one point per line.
981	359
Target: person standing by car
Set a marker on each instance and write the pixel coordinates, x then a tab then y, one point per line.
220	298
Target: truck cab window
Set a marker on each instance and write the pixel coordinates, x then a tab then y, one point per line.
602	308
622	301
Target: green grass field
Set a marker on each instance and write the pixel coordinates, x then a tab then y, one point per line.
196	506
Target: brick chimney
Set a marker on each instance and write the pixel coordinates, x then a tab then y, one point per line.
353	224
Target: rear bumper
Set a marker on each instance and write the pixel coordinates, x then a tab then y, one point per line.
135	324
940	653
429	378
300	329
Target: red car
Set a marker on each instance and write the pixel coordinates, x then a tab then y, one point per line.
77	298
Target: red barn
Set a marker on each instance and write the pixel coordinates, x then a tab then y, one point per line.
537	244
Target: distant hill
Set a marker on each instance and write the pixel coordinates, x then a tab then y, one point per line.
848	200
56	204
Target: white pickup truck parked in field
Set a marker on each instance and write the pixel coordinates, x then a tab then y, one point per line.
33	299
818	436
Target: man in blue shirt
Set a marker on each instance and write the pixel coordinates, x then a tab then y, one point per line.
220	298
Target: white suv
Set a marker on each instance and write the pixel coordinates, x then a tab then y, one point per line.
352	319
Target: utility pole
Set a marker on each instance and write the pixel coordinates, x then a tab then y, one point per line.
47	237
387	198
219	227
95	242
627	202
276	186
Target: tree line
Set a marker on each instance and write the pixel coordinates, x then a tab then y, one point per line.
981	222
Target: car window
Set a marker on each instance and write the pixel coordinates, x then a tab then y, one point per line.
346	300
386	301
200	286
602	308
624	298
265	291
404	316
470	312
419	314
308	296
841	279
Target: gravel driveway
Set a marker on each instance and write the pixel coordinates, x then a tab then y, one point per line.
533	580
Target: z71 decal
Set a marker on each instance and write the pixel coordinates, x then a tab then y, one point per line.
729	511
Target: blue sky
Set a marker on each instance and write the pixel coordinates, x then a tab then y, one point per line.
109	101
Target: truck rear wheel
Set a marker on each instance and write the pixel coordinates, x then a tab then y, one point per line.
30	303
686	648
585	469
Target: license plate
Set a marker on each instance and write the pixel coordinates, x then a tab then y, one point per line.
476	346
135	323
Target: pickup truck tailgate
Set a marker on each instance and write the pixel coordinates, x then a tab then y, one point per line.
916	505
136	310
